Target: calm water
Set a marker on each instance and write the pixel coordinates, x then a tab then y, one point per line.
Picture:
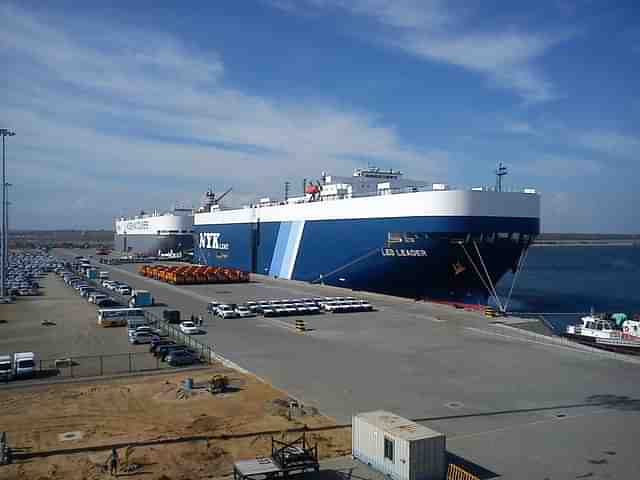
573	279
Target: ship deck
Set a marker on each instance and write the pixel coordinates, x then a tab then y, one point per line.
514	403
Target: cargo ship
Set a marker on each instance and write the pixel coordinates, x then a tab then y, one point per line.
376	231
156	233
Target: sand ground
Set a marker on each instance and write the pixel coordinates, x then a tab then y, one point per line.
147	408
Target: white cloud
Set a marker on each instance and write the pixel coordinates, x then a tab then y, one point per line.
612	143
519	128
432	30
109	110
559	166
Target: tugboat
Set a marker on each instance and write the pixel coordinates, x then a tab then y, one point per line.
615	332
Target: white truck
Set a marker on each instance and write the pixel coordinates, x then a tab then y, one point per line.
103	275
141	298
24	364
6	368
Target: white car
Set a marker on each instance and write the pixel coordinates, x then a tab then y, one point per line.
244	312
226	311
189	328
124	290
96	297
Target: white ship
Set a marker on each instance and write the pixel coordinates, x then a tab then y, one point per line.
156	233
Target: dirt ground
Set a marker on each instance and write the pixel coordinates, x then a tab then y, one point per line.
147	408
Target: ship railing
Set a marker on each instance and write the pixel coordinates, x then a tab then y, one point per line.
395	191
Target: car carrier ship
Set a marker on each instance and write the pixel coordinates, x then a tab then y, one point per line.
155	234
377	231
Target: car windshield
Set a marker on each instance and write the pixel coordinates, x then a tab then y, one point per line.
26	363
5	366
188	324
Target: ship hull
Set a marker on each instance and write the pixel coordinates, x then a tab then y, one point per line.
152	245
432	257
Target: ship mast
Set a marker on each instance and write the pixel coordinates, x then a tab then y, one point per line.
501	171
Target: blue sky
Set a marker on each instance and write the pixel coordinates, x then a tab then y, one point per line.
143	104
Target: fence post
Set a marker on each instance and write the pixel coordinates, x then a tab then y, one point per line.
101	366
129	362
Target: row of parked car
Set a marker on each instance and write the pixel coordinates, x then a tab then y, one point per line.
167	350
86	290
24	269
289	307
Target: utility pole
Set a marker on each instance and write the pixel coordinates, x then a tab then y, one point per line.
501	171
5	132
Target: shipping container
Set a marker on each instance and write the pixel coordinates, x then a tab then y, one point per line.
397	447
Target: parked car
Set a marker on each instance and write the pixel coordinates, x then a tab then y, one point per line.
107	303
23	364
86	291
141	337
226	311
244	312
165	350
96	297
6	368
212	307
189	328
158	342
124	290
181	357
141	328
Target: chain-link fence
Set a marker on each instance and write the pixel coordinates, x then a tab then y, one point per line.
204	350
98	365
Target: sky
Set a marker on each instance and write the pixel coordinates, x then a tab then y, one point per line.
124	106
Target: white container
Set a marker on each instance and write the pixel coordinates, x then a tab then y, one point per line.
440	186
398	447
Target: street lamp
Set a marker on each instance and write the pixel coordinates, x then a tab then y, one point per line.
5	132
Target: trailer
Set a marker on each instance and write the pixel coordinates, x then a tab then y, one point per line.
286	458
141	298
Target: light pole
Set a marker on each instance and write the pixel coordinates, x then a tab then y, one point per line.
7	203
5	132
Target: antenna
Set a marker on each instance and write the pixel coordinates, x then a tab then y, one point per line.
501	171
286	190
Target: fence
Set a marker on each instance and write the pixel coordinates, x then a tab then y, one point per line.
98	365
205	351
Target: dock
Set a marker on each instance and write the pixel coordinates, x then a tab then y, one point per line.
518	403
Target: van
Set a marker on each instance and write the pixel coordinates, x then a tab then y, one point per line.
24	364
103	275
6	368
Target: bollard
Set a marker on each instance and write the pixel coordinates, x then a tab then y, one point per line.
301	326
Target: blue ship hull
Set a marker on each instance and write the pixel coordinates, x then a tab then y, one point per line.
418	257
